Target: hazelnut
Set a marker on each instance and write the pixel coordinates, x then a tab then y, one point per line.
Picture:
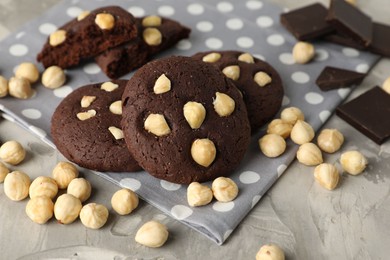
212	57
232	72
80	188
116	107
330	140
3	87
303	52
270	252
67	208
352	2
291	115
27	70
262	79
309	154
116	132
203	152
43	186
105	21
353	162
151	20
3	172
162	85
194	113
63	173
16	185
246	57
57	37
272	145
157	125
86	115
82	15
124	201
152	36
12	152
327	175
224	189
198	194
86	101
279	127
94	215
223	104
152	234
386	85
109	86
53	77
302	132
19	88
40	209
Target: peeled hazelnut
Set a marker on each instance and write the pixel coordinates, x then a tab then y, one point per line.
152	36
198	194
86	115
152	234
151	20
124	201
203	152
116	132
279	127
232	72
12	152
116	107
3	172
94	215
67	208
82	15
194	113
309	154
105	21
302	132
109	86
327	175
57	37
270	252
353	162
386	85
19	88
53	77
211	57
246	57
16	185
272	145
223	104
303	52
40	209
86	101
27	70
3	87
64	173
43	186
330	140
291	115
262	79
157	125
224	189
80	188
162	85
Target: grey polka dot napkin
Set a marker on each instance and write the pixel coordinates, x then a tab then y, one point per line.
250	26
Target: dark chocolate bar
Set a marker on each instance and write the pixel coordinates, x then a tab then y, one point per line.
381	41
334	78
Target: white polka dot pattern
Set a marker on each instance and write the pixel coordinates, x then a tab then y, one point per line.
223	206
181	212
130	183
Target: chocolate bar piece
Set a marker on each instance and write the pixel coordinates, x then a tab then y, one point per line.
307	23
334	78
369	113
381	41
350	21
338	38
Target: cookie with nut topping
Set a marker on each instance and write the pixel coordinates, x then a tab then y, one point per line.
88	35
184	121
259	83
86	129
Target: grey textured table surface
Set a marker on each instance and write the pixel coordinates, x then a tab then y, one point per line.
307	221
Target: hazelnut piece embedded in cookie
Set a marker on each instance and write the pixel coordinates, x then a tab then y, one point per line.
109	86
232	72
151	20
152	36
246	57
105	21
86	115
156	124
211	57
116	107
223	104
82	15
86	101
57	37
116	132
162	85
262	78
203	152
194	113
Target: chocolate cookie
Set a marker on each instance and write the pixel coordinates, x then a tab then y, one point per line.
122	59
259	83
88	35
86	128
184	121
